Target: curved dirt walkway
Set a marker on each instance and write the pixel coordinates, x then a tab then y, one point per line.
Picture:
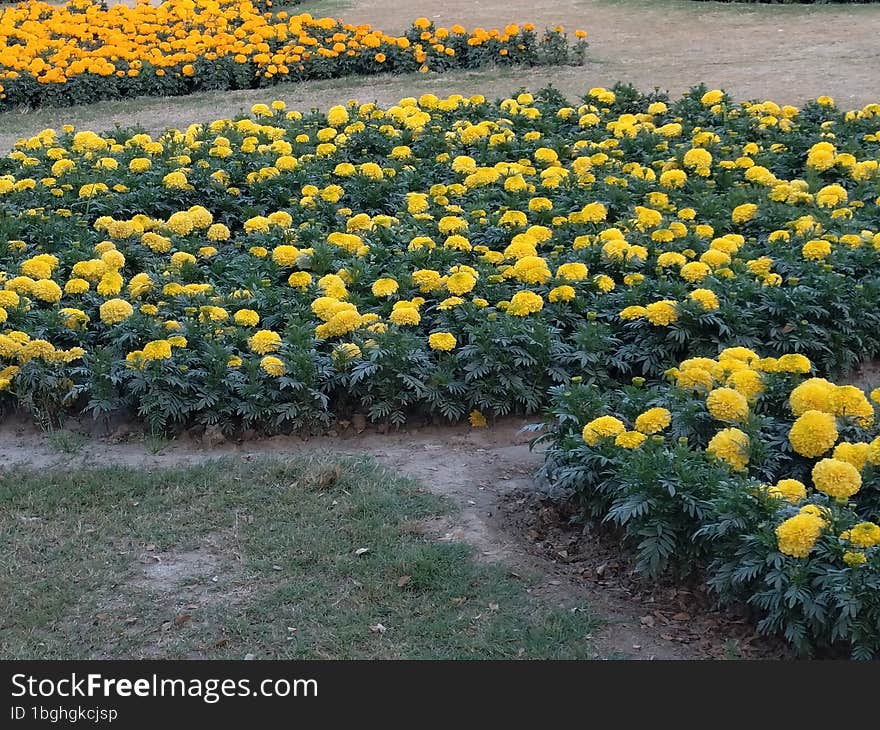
788	53
480	470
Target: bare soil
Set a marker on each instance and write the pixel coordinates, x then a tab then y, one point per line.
488	474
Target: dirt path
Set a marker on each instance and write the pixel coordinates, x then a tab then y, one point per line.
788	53
483	471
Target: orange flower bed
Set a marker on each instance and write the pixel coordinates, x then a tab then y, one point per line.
80	52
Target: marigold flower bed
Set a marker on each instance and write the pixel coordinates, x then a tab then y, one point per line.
81	52
765	479
450	257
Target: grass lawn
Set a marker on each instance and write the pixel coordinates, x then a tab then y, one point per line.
313	557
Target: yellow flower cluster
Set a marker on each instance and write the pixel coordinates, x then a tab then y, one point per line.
731	445
601	428
798	534
843	401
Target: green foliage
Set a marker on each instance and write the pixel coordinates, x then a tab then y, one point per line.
816	603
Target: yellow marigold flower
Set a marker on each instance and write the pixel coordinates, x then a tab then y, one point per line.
76	286
39	267
212	314
662	313
299	279
531	270
652	421
218	232
635	311
74	318
853	453
816	250
264	341
563	293
9	298
813	433
175	180
405	316
247	317
442	341
798	535
281	218
629	439
793	363
748	382
37	349
272	366
140	164
744	213
791	490
257	224
727	404
848	401
698	158
574	271
384	287
113	258
285	255
694	271
460	283
110	284
546	155
706	298
731	445
836	478
114	311
46	290
157	350
450	303
180	223
604	282
814	394
864	535
854	559
602	427
427	280
346	351
831	196
524	303
477	419
337	116
694	378
673	178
